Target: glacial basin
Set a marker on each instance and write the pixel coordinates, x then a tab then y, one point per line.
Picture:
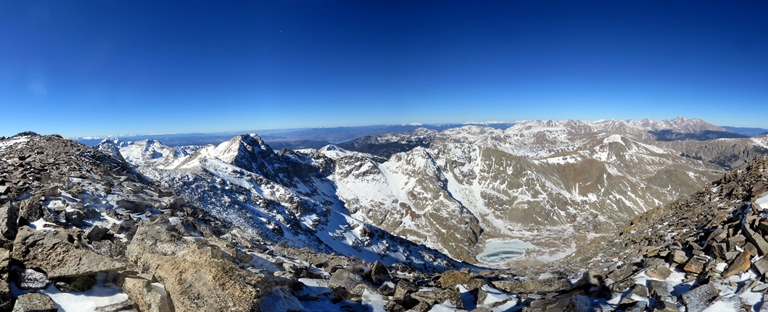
500	252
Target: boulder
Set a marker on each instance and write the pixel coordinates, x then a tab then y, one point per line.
193	279
30	279
403	289
658	272
761	266
379	273
451	278
74	217
8	216
345	278
30	210
439	296
34	302
96	233
695	264
146	296
757	240
55	253
658	289
739	264
132	205
700	297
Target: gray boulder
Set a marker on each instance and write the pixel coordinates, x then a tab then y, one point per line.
701	297
56	253
345	278
8	216
146	297
194	277
34	302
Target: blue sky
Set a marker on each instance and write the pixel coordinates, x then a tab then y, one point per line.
118	67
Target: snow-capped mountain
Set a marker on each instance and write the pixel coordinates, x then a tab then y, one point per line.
453	190
278	197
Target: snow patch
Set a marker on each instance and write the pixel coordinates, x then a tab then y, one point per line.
762	202
615	138
87	301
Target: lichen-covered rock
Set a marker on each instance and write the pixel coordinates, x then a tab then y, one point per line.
345	278
30	279
740	264
8	216
145	296
56	253
194	279
34	302
700	297
451	278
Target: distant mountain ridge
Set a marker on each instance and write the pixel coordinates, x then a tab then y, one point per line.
747	131
319	137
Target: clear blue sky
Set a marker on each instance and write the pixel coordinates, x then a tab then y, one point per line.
117	67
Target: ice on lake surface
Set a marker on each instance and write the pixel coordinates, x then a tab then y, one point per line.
499	252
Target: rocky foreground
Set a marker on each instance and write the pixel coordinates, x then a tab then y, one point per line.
82	231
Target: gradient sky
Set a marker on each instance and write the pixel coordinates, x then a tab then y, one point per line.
117	67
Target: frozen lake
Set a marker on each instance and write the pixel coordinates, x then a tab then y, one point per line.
499	252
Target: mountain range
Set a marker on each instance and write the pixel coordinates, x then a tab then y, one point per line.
455	190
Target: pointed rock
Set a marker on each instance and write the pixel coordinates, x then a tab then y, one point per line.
379	273
8	216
